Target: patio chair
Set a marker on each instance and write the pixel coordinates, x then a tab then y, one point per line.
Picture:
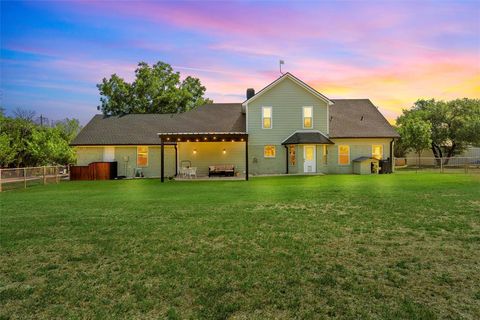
183	172
192	172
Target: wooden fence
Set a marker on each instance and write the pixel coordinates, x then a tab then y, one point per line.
15	178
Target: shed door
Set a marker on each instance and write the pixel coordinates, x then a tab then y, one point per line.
309	156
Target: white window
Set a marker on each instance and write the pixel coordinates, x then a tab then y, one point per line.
142	156
377	151
267	117
307	117
344	154
269	151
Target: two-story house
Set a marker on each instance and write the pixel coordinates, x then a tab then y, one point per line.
285	128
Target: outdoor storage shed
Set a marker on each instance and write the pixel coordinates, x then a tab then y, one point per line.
365	165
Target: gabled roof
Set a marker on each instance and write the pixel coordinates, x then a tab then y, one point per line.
358	118
290	76
307	137
143	129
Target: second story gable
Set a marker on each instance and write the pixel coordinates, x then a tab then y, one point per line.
285	106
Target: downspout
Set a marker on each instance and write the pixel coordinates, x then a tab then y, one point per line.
286	153
392	160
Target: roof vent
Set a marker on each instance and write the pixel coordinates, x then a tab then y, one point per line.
250	93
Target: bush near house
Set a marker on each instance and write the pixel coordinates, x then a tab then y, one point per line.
355	247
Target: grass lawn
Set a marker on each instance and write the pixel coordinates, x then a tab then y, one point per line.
381	247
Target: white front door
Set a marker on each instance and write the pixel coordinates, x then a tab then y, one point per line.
309	159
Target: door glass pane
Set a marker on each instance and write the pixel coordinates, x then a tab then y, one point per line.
309	153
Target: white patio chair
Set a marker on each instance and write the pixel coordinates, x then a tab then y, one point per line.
183	172
192	172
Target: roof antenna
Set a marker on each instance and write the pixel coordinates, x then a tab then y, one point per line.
281	62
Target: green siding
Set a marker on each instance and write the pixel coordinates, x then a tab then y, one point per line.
287	100
358	147
126	157
87	155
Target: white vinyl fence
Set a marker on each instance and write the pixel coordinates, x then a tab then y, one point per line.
15	178
442	165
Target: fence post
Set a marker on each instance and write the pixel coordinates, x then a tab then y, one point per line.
56	174
44	175
25	178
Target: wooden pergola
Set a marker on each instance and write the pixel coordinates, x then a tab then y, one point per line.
176	137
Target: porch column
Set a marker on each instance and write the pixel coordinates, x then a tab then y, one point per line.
162	160
246	158
176	160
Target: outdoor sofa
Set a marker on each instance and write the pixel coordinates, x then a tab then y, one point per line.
221	170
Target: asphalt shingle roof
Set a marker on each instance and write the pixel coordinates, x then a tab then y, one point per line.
135	129
307	137
358	118
349	118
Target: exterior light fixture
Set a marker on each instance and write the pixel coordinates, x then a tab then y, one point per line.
241	139
188	140
204	138
223	140
178	139
224	151
214	138
168	139
233	140
196	140
194	151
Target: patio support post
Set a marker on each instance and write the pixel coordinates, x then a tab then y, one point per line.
286	153
246	158
162	161
176	161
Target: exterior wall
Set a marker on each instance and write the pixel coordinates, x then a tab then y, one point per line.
358	147
87	155
211	153
287	100
126	156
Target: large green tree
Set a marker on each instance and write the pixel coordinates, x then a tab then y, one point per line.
415	134
156	89
455	124
25	143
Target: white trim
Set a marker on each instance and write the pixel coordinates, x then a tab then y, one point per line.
246	118
338	155
328	119
271	116
294	79
148	157
274	151
378	145
303	117
312	162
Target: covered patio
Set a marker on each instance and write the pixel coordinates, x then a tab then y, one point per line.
194	141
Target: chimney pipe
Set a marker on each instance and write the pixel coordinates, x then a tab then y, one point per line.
250	93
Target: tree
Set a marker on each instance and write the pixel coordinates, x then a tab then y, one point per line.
454	124
25	143
415	134
156	89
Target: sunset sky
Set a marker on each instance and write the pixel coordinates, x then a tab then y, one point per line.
54	53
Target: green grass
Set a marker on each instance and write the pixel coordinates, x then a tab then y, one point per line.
381	247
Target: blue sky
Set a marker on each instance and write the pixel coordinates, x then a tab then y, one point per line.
54	53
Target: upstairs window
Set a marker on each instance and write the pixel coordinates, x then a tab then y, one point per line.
267	117
307	117
343	154
142	156
269	151
377	151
